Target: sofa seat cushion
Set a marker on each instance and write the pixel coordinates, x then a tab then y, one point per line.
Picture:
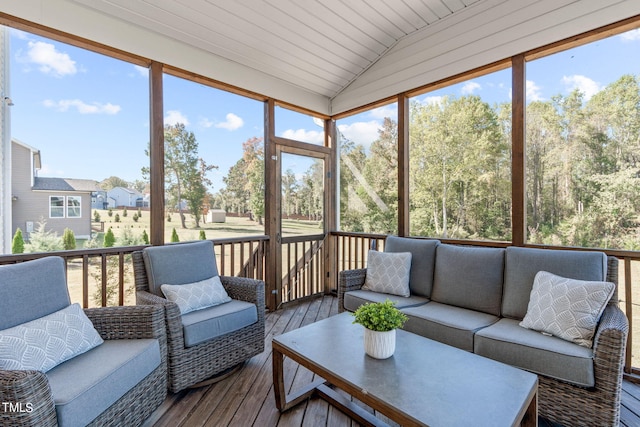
203	325
354	299
88	384
507	342
423	256
448	324
469	277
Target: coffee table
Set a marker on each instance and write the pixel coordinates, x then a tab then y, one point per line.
424	383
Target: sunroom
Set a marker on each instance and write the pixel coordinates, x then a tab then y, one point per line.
315	130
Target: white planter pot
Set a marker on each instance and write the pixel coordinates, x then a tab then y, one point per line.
379	345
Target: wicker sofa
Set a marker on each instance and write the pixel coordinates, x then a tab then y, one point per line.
119	382
474	298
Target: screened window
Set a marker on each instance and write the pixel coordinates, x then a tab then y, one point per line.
56	206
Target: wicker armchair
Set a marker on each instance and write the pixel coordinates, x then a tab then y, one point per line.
190	365
558	401
32	392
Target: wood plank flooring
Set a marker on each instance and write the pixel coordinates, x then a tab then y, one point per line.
246	398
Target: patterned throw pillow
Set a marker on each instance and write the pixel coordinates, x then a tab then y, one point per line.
198	295
44	343
566	308
388	272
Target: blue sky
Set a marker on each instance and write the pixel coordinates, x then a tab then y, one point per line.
88	114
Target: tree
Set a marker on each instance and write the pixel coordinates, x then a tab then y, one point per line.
124	212
109	239
174	236
17	246
113	182
96	216
202	235
145	237
42	240
116	218
68	239
110	212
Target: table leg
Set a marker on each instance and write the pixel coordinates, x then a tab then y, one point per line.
284	401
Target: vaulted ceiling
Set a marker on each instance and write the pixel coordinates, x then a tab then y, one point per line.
325	55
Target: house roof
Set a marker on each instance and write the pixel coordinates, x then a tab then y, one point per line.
328	56
65	184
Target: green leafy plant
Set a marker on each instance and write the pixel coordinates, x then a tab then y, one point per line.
174	236
109	239
145	237
17	246
380	316
203	235
68	239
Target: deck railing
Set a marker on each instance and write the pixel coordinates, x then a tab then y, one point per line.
303	267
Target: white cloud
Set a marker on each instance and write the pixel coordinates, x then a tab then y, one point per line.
233	122
49	60
533	91
432	100
311	136
173	117
390	111
361	132
584	84
469	87
82	107
142	71
205	123
631	36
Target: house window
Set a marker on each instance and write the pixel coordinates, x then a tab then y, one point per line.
56	207
73	207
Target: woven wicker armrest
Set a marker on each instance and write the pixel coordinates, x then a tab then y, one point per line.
610	339
349	280
244	289
128	322
26	399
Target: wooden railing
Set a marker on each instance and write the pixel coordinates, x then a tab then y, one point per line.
351	252
104	276
302	267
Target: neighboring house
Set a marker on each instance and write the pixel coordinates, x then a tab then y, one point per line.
120	196
99	200
60	202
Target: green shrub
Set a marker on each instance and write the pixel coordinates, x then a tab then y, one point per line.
135	217
68	239
174	236
145	237
202	236
109	238
116	218
380	316
110	212
96	216
42	240
168	217
17	246
139	213
124	212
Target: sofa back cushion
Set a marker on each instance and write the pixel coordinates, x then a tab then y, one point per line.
179	264
32	289
423	255
469	277
522	265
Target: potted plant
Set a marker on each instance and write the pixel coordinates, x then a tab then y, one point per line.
380	320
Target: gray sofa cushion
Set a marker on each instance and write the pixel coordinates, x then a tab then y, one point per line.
178	264
469	277
354	299
522	265
509	343
423	254
32	289
202	325
451	325
88	384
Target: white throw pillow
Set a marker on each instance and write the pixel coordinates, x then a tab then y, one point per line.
388	272
198	295
567	308
44	343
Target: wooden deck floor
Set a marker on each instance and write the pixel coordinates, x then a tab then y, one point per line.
246	398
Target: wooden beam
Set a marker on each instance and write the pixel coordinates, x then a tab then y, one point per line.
156	154
331	205
273	267
403	165
518	152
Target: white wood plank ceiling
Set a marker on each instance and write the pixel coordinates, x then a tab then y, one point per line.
325	55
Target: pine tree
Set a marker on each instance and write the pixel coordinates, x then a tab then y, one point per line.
68	239
96	216
116	218
124	212
110	212
203	236
17	247
145	237
109	238
174	236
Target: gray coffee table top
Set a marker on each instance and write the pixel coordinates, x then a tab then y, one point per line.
431	382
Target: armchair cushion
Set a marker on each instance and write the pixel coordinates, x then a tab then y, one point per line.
178	264
88	384
198	295
44	343
203	325
388	272
32	289
566	308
